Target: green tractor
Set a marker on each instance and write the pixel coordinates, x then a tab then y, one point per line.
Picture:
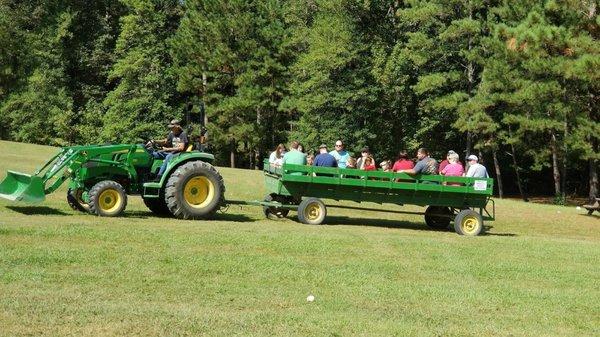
101	176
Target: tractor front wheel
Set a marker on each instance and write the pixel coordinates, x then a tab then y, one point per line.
75	200
195	191
107	198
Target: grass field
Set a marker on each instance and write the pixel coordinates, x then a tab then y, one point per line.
535	273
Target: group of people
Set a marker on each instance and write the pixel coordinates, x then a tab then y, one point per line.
339	157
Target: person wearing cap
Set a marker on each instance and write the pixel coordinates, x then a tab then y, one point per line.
476	170
324	158
175	142
340	154
447	161
364	154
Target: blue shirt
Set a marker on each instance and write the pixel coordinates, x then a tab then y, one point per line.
325	160
341	157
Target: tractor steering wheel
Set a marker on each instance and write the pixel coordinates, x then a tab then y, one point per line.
152	145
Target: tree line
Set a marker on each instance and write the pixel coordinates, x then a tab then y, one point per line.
513	81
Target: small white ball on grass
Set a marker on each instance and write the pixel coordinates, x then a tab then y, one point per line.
310	298
578	208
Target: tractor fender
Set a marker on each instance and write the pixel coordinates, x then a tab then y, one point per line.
183	158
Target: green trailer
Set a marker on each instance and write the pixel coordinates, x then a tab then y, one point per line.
466	201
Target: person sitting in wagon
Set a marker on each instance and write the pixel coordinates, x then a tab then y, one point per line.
403	162
175	143
476	170
453	169
340	154
425	165
294	156
447	161
276	157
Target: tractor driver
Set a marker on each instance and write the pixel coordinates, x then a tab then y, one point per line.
175	142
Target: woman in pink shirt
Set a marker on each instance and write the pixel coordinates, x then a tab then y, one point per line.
453	169
403	163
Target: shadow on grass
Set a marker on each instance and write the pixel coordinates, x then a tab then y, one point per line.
597	216
217	216
36	210
387	223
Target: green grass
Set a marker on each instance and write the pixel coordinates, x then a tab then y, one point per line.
65	273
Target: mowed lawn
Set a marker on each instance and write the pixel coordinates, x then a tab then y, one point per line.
535	273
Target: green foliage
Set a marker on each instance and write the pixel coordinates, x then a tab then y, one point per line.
144	98
516	77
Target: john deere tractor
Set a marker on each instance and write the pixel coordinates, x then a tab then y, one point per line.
101	176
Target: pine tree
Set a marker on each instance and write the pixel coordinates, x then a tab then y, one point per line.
144	98
235	56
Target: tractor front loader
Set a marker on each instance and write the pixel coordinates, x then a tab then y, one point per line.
101	176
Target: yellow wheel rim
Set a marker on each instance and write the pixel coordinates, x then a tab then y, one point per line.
199	192
110	200
470	224
312	212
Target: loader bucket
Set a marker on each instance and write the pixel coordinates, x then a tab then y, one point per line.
22	187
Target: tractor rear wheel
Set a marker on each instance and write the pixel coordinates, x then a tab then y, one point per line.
75	200
194	191
438	217
107	198
312	211
468	222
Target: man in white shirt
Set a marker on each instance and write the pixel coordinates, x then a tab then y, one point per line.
476	170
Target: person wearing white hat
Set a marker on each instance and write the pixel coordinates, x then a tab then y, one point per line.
476	170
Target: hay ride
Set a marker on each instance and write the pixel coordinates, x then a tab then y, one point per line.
101	176
466	201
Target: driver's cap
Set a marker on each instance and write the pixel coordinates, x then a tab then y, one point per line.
174	122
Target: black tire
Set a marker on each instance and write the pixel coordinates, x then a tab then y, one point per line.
278	212
157	206
107	198
438	217
76	202
204	188
312	211
468	222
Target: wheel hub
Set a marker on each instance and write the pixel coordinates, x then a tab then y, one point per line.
109	200
198	192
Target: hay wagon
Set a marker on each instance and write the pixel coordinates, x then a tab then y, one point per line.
466	201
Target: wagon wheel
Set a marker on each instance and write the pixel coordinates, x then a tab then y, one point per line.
468	222
278	212
438	217
312	211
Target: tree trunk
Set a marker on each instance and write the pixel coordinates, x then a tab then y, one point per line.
555	164
516	168
232	156
468	149
593	180
564	163
498	175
